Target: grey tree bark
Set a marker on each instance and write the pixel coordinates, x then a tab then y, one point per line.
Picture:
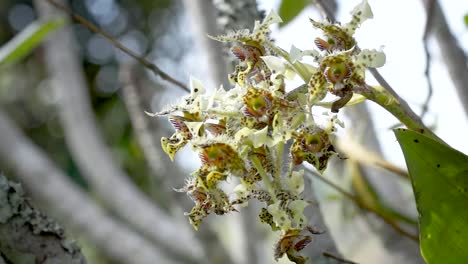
201	14
27	235
92	156
67	203
137	94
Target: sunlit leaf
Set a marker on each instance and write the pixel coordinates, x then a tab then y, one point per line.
289	9
29	38
439	175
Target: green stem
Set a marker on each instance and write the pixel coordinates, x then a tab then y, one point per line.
299	68
279	160
398	108
258	165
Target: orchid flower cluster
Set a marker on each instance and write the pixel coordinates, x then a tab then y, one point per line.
260	132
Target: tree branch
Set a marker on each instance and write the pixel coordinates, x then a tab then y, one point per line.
149	65
364	206
28	234
201	14
147	130
92	156
51	188
366	156
427	69
454	56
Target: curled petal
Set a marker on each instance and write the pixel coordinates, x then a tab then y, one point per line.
215	129
322	44
172	145
178	122
239	52
213	178
301	244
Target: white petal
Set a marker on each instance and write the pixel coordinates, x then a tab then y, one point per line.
274	63
194	127
360	13
196	87
280	217
260	137
371	58
241	190
243	133
272	18
297	208
295	183
295	54
363	11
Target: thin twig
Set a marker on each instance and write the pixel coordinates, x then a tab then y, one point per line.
151	66
342	260
364	206
363	155
327	11
454	56
427	69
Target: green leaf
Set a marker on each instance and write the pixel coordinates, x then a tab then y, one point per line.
439	175
289	9
30	37
465	18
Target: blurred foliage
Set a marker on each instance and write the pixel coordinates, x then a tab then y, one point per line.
28	39
289	9
439	175
26	92
465	18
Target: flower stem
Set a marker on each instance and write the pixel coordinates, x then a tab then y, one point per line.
300	69
258	165
398	108
279	160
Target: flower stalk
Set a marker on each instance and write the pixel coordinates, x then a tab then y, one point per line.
243	132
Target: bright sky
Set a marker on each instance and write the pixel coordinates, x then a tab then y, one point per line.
399	29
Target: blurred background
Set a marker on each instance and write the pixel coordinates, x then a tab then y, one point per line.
169	34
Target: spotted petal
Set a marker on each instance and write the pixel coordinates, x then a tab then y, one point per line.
297	211
295	182
371	58
196	87
280	217
360	13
